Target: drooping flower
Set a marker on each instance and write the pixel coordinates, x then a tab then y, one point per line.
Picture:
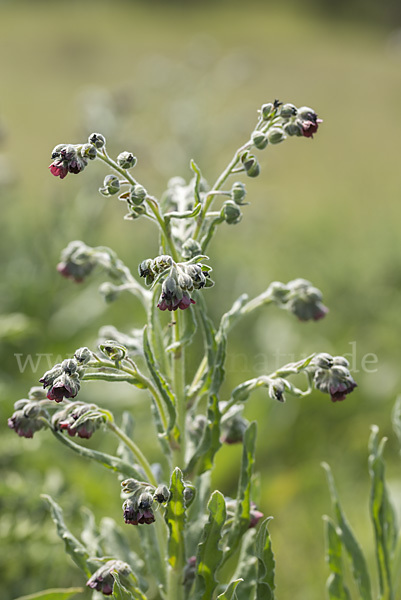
305	301
67	159
65	386
25	420
79	419
102	580
332	376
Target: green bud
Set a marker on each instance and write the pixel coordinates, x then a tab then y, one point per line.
88	151
83	355
126	160
293	128
190	248
111	185
238	193
113	350
275	135
259	139
136	212
37	393
251	164
161	494
306	113
266	110
137	194
69	365
231	213
288	110
97	139
189	495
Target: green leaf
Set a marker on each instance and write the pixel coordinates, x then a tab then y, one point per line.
53	594
266	564
396	418
354	550
229	593
90	533
175	518
243	508
198	179
203	457
382	514
336	588
73	547
120	592
209	554
161	383
247	568
111	462
209	341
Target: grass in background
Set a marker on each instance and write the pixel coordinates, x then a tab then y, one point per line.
171	83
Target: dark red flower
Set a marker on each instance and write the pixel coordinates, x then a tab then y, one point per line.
58	168
171	302
65	386
310	127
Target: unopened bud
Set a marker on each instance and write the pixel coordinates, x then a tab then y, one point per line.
137	194
161	494
293	128
238	193
190	249
97	139
83	355
126	160
113	350
89	151
288	110
69	366
275	135
231	212
251	164
109	291
307	114
259	139
111	185
267	110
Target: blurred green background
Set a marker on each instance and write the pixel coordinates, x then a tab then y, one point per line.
173	81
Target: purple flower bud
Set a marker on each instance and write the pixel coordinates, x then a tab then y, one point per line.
304	301
255	515
333	377
65	386
130	512
102	580
25	420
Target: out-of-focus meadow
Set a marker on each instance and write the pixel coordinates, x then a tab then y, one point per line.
172	82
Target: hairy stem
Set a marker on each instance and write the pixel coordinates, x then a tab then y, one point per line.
179	388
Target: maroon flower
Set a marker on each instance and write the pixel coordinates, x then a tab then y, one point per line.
130	513
65	270
102	580
145	516
65	386
58	168
24	426
332	376
255	515
340	391
172	302
310	125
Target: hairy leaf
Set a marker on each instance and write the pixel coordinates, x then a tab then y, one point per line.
73	546
229	592
203	457
247	567
382	514
120	592
53	594
175	519
107	460
209	554
336	588
266	564
354	550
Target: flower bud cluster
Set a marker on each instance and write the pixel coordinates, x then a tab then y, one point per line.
78	419
77	261
179	280
331	375
102	580
280	120
137	508
63	380
71	158
299	297
26	419
113	350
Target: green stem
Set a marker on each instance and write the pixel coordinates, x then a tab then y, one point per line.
151	202
179	388
175	586
138	376
139	456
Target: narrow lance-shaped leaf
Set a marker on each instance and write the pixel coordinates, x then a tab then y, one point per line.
243	507
73	547
107	460
209	554
247	567
358	561
229	592
203	457
175	519
53	594
266	563
336	588
198	179
120	592
382	514
161	383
